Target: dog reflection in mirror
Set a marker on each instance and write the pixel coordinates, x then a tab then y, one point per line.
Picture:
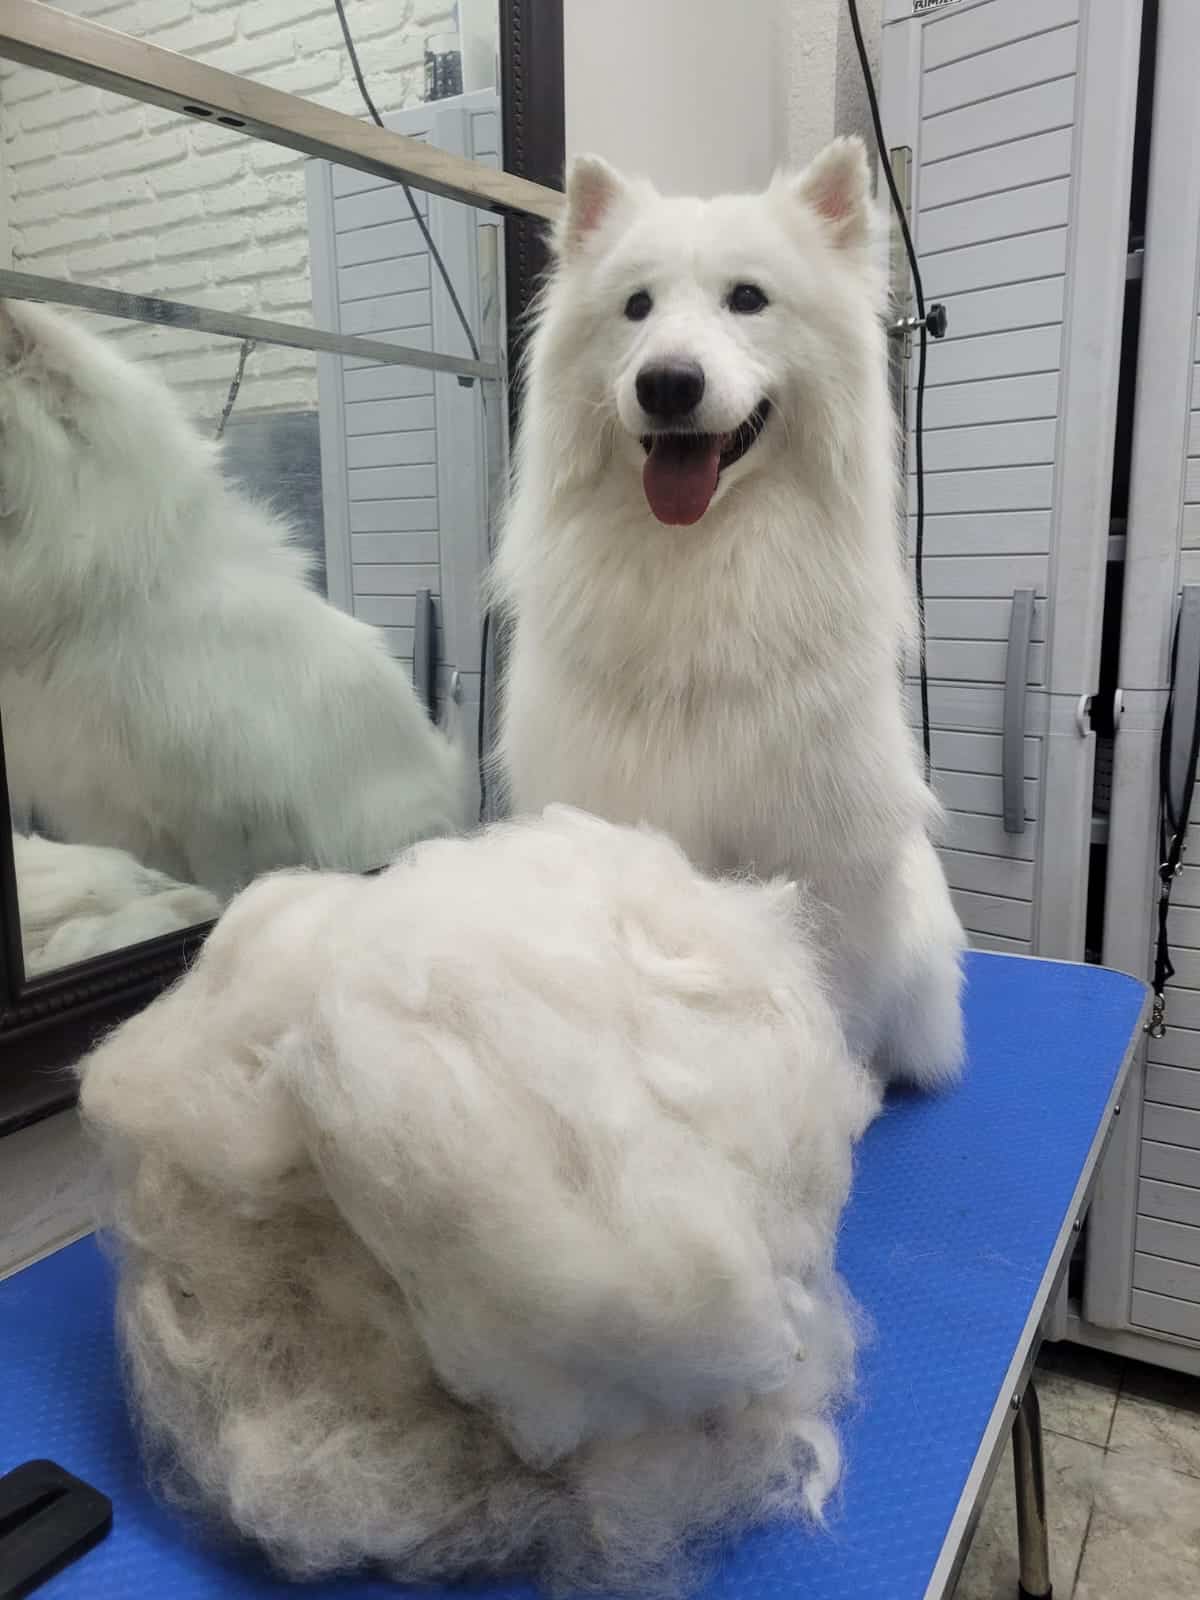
170	684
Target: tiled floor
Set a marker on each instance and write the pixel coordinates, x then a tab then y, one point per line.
1122	1445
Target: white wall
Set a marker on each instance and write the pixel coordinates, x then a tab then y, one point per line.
705	96
825	93
50	1190
851	114
103	190
683	92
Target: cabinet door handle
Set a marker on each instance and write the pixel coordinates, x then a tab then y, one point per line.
1016	676
425	662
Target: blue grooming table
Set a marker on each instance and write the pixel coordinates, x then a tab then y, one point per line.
960	1223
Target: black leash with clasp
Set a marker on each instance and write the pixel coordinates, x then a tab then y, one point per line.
1176	782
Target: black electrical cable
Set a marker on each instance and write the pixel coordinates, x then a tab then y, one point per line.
1173	815
244	354
352	52
356	67
248	344
919	410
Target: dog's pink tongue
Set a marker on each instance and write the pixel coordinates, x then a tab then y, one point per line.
680	477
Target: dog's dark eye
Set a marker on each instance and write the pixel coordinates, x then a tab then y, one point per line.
637	307
746	298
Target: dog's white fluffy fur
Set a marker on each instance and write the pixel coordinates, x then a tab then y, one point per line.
78	900
480	1216
171	685
738	682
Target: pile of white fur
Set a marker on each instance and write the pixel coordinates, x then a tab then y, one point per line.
480	1216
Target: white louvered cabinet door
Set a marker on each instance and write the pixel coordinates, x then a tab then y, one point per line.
1143	1262
1019	116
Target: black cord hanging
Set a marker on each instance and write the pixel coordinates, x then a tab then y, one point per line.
926	323
443	273
435	253
1173	812
244	354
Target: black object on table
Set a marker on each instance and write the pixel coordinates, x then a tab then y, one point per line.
48	1518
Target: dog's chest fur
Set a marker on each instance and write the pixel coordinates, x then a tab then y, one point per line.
731	684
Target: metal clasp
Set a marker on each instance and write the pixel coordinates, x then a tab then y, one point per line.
1165	869
1157	1026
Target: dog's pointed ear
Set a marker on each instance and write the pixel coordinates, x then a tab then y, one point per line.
837	186
594	190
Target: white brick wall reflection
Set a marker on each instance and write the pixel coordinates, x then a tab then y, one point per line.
100	190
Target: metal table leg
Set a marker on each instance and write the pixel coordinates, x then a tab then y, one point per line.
1029	1471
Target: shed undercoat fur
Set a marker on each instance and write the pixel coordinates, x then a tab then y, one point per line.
480	1216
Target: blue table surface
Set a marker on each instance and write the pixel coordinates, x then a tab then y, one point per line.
957	1206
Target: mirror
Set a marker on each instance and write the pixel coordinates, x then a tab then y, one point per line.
240	580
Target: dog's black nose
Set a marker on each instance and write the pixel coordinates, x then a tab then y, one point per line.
668	390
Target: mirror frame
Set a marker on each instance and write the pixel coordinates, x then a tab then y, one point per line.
48	1022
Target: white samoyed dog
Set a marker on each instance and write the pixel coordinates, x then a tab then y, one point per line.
703	564
170	685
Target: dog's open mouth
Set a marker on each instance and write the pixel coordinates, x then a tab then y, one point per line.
682	469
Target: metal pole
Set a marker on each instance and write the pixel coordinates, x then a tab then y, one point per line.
1029	1470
